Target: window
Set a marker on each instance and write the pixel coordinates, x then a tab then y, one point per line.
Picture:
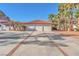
0	25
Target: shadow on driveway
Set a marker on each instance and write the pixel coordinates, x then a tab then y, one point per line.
38	42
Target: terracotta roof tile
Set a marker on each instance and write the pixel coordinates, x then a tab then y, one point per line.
36	22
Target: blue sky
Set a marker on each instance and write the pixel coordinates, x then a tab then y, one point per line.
29	11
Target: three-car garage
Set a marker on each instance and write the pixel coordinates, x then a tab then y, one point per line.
38	25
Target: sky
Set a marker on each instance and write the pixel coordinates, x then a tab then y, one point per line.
26	12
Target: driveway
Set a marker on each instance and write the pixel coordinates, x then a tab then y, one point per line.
38	44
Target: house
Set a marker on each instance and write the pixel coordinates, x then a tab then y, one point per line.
37	25
3	21
8	25
11	26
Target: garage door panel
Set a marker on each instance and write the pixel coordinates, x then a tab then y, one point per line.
39	28
47	28
30	28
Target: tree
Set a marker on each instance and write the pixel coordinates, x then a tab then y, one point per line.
50	17
62	16
68	8
77	17
65	16
53	21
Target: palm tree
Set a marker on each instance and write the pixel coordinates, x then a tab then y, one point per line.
53	21
50	17
77	16
69	8
65	15
61	14
58	21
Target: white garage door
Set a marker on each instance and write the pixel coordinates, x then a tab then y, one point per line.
31	28
39	28
47	28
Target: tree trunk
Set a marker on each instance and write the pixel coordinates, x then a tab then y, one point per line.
58	25
78	23
65	25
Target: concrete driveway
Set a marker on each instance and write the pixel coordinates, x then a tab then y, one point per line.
38	44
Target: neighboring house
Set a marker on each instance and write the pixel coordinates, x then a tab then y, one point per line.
3	20
2	27
8	25
38	25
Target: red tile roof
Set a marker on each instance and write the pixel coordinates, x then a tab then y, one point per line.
36	22
33	22
3	20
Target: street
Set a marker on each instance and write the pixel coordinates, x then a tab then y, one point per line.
35	43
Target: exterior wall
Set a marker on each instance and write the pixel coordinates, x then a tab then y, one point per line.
7	28
39	27
2	27
30	27
11	27
47	28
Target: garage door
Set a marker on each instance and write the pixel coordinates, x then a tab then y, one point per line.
39	28
47	28
31	28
